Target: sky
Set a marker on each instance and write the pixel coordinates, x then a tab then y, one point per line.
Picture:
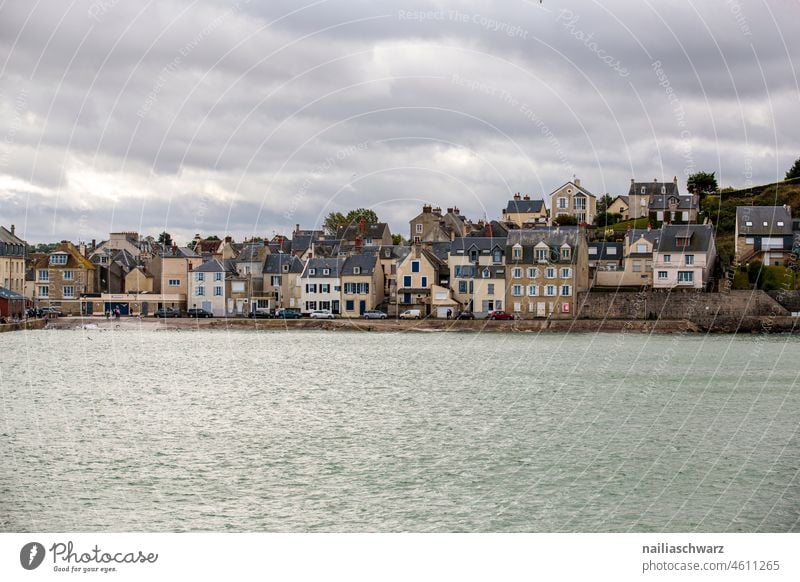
247	118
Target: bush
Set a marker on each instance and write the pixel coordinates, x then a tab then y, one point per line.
755	273
741	280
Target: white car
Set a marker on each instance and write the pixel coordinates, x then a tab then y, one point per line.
321	314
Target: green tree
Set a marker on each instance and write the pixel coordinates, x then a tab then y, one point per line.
565	220
603	203
336	220
794	171
755	273
398	239
606	219
703	183
165	239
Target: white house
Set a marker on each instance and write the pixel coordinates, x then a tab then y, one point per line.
320	285
683	256
207	287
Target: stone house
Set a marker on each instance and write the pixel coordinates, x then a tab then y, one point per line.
524	212
763	233
362	284
62	276
571	199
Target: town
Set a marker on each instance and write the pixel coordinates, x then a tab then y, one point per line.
563	255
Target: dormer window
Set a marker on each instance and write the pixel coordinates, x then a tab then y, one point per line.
286	268
748	223
565	253
58	259
541	254
326	271
497	256
473	255
312	272
644	190
516	252
663	189
765	223
780	223
485	273
356	270
387	253
682	241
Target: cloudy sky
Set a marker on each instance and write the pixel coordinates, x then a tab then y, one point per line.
246	118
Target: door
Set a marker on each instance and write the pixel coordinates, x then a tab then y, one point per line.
362	307
145	309
540	309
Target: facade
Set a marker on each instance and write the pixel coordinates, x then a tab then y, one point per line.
683	257
417	273
674	209
12	260
209	288
250	268
545	270
362	284
477	265
641	193
763	233
355	237
170	269
572	199
281	287
138	281
62	277
620	205
605	263
524	212
320	285
432	226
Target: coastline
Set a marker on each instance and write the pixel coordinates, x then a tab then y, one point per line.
724	325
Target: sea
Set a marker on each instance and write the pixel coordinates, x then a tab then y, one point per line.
334	431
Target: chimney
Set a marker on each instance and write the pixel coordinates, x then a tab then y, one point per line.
456	210
94	244
449	211
632	182
437	210
296	228
426	209
489	229
358	245
526	197
516	196
13	229
578	182
675	180
174	250
81	248
228	239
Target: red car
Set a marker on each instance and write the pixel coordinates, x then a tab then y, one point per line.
499	315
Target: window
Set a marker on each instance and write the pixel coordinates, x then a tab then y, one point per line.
462	286
407	281
217	276
533	290
516	273
497	254
356	270
688	259
685	276
424	281
682	241
641	248
667	258
69	275
516	252
685	216
326	271
662	275
516	290
566	273
660	215
58	259
44	275
68	291
566	290
748	223
550	290
644	190
325	288
218	291
473	255
565	253
311	305
406	298
349	305
541	254
533	272
419	227
199	291
780	223
550	273
663	189
749	240
592	250
416	239
174	283
286	268
275	280
311	287
44	291
415	266
199	276
490	289
765	223
485	274
637	266
562	202
312	272
611	250
103	260
580	203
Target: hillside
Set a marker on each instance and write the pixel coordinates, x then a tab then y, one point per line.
721	208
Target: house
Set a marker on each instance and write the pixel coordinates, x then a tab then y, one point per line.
250	268
119	241
12	304
281	288
417	273
215	248
355	237
303	240
571	199
684	256
12	260
111	268
477	266
763	233
62	276
620	205
523	211
545	270
673	209
605	258
390	256
170	269
320	285
431	226
209	288
362	284
138	280
637	266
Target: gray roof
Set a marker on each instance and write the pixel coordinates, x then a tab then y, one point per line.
653	188
8	238
373	230
651	236
275	262
524	206
662	202
9	294
701	237
621	197
367	263
180	252
481	243
554	237
212	266
469	271
601	251
441	250
333	265
398	252
251	253
580	189
759	215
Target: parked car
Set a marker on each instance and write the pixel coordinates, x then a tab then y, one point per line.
260	314
287	314
411	314
374	314
198	312
465	315
51	311
167	312
499	315
321	314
